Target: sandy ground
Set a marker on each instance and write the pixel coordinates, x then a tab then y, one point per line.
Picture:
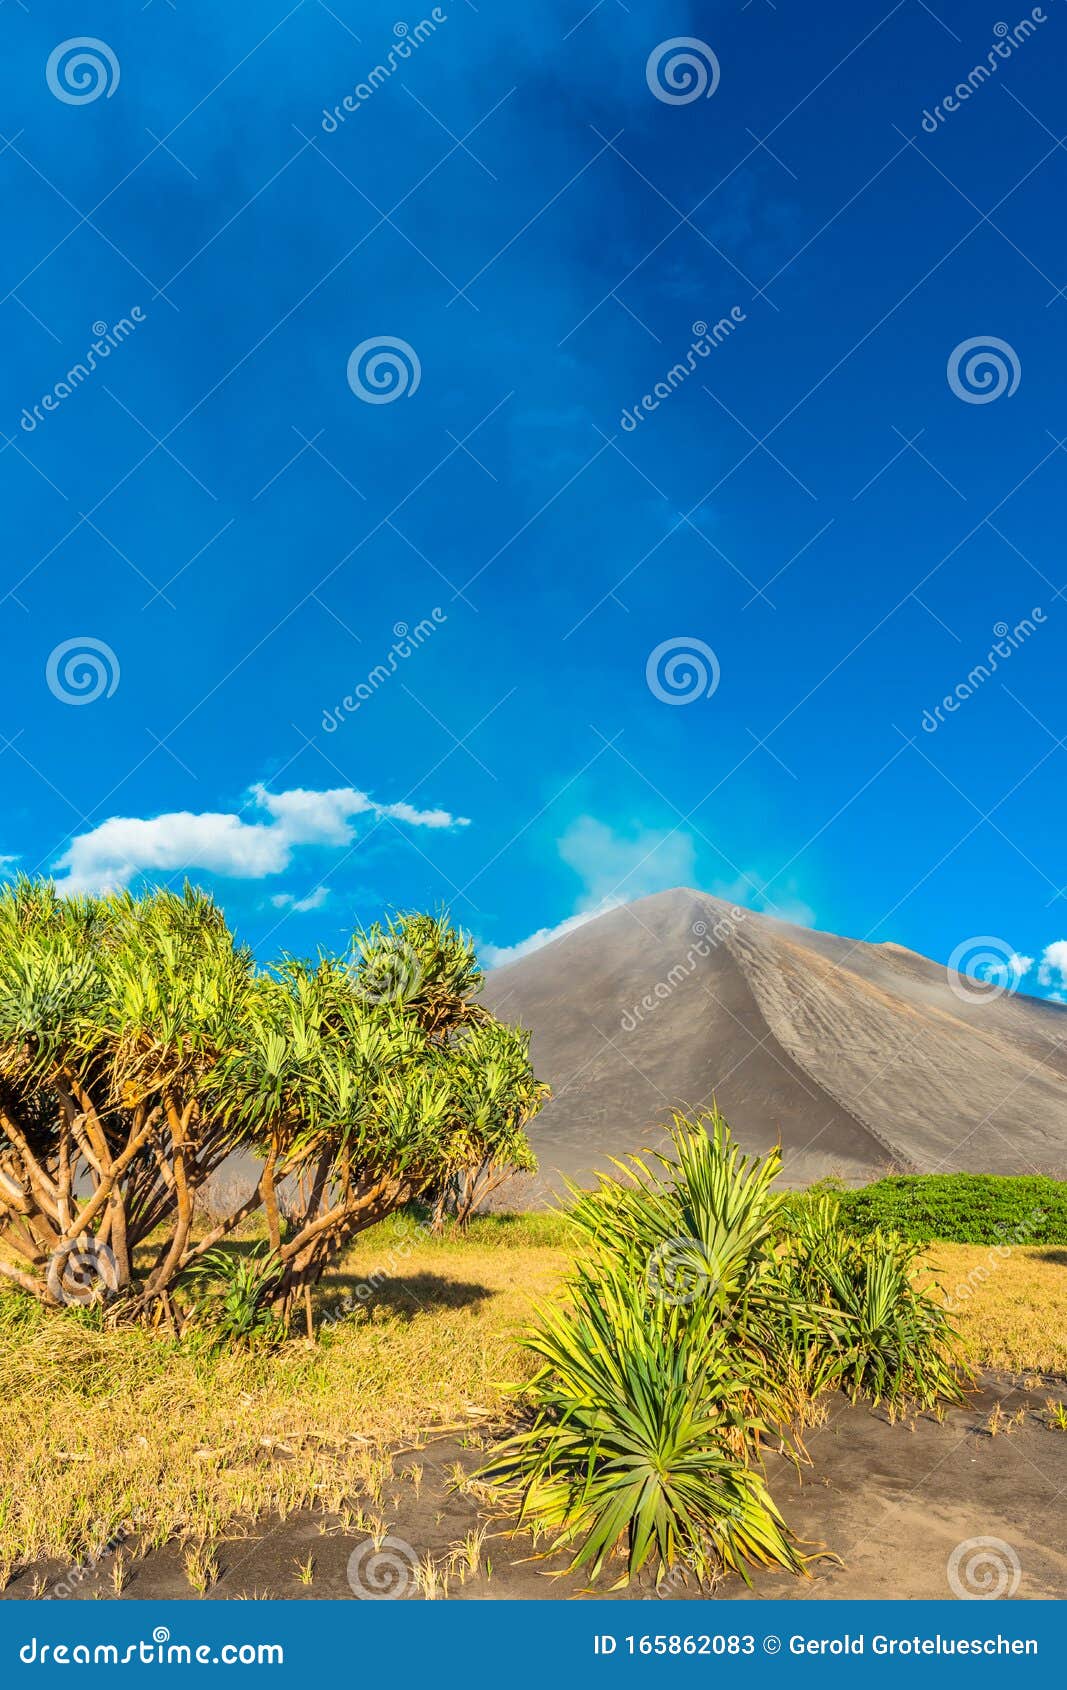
891	1502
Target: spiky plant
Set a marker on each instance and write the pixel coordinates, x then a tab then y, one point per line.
881	1331
642	1437
113	1012
139	1045
697	1322
372	1083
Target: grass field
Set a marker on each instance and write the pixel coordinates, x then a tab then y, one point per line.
101	1428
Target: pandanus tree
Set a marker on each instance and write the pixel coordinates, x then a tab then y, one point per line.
139	1046
371	1082
113	1012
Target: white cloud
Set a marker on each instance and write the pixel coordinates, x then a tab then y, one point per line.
300	906
1012	970
622	866
617	867
112	855
498	956
1052	969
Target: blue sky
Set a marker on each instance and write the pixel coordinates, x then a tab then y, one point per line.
238	532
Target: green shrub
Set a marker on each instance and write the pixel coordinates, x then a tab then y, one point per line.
881	1334
232	1295
704	1315
644	1433
954	1208
140	1045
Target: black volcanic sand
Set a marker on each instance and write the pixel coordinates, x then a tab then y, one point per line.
891	1501
856	1057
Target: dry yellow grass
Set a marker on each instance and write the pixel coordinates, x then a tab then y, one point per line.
1010	1306
103	1428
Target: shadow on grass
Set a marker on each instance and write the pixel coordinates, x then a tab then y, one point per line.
400	1295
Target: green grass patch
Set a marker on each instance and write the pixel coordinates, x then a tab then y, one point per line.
954	1208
